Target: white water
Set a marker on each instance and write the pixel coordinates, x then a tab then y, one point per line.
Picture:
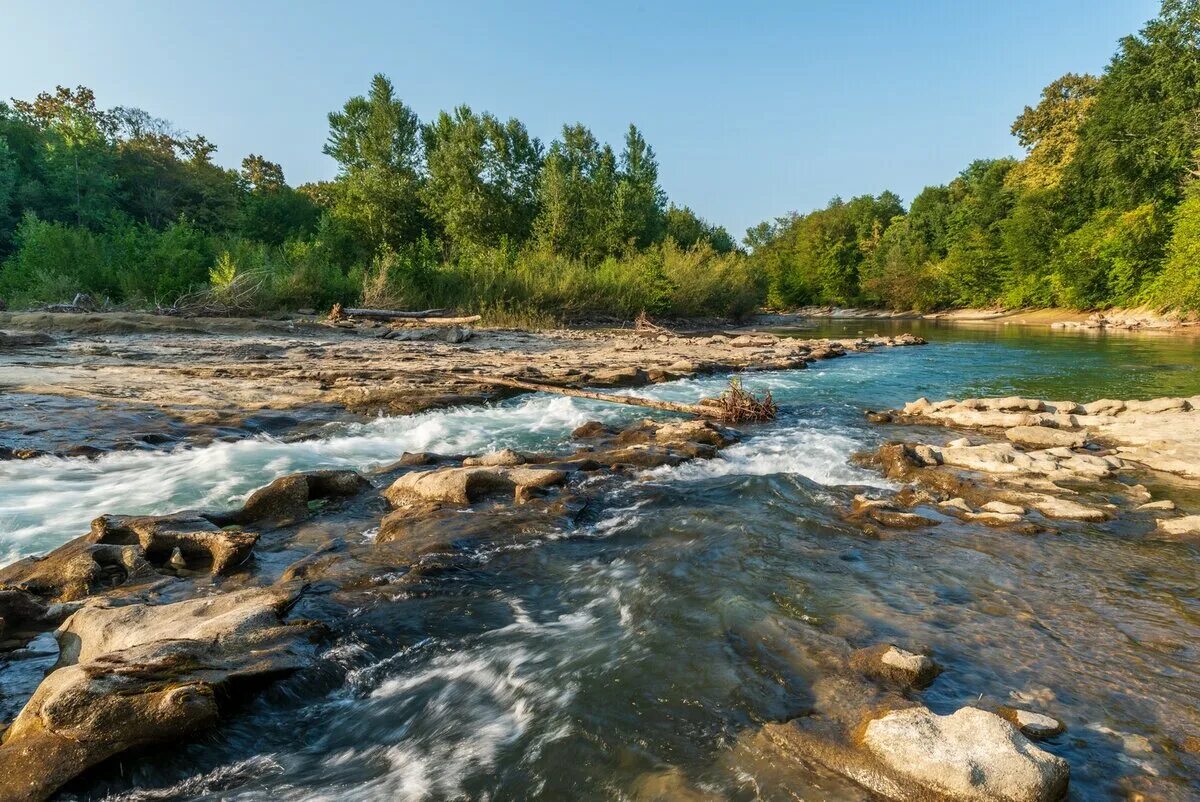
46	501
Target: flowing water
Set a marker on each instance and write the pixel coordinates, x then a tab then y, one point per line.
569	668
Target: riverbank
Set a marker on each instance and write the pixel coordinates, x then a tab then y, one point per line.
199	379
492	598
1140	319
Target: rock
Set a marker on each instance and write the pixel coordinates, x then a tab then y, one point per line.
76	569
19	609
1166	505
1158	405
1003	508
1012	404
200	542
956	504
137	675
1044	437
1105	406
960	442
927	455
695	431
620	377
993	518
467	485
286	500
504	457
23	339
590	429
895	665
969	755
1033	725
1186	526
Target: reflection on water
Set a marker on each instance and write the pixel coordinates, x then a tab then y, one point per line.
570	670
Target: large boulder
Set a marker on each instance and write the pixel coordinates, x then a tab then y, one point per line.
137	675
969	755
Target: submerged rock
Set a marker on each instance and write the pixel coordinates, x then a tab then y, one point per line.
1033	725
969	755
896	666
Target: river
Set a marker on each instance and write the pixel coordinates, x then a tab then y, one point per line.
572	666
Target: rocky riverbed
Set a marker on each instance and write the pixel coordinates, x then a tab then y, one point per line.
990	601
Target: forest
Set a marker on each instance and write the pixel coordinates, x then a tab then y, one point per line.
472	212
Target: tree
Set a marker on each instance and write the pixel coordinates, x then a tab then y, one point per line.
1050	131
76	168
687	229
639	202
576	196
261	175
273	212
482	178
1138	139
375	141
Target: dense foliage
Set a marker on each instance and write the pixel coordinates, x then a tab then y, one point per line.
473	212
466	211
1102	211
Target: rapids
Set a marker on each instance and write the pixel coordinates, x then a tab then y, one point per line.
573	666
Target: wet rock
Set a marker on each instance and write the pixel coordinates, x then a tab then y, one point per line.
1187	526
896	666
957	504
75	570
1032	725
199	542
286	500
137	675
1045	437
504	457
1003	508
23	339
467	485
694	431
19	609
993	518
591	429
1165	505
969	755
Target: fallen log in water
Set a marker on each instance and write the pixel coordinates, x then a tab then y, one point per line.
735	405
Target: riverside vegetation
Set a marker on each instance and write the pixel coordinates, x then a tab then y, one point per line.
473	212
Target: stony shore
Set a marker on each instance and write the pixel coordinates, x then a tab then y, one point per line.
208	377
165	623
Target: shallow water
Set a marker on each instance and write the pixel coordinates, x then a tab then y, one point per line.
572	667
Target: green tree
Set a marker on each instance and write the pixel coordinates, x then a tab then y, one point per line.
576	196
1050	131
482	178
1138	139
688	229
639	202
375	141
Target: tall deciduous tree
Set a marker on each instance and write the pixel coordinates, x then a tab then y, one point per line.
482	177
1050	131
375	141
576	195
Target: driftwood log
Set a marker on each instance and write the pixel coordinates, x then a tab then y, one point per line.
394	314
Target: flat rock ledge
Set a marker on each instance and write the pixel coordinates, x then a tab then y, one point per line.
1040	462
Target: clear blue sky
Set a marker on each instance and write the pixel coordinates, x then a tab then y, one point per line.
754	108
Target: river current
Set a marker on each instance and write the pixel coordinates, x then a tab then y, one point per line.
573	666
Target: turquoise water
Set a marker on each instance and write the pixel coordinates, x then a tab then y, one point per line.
618	648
